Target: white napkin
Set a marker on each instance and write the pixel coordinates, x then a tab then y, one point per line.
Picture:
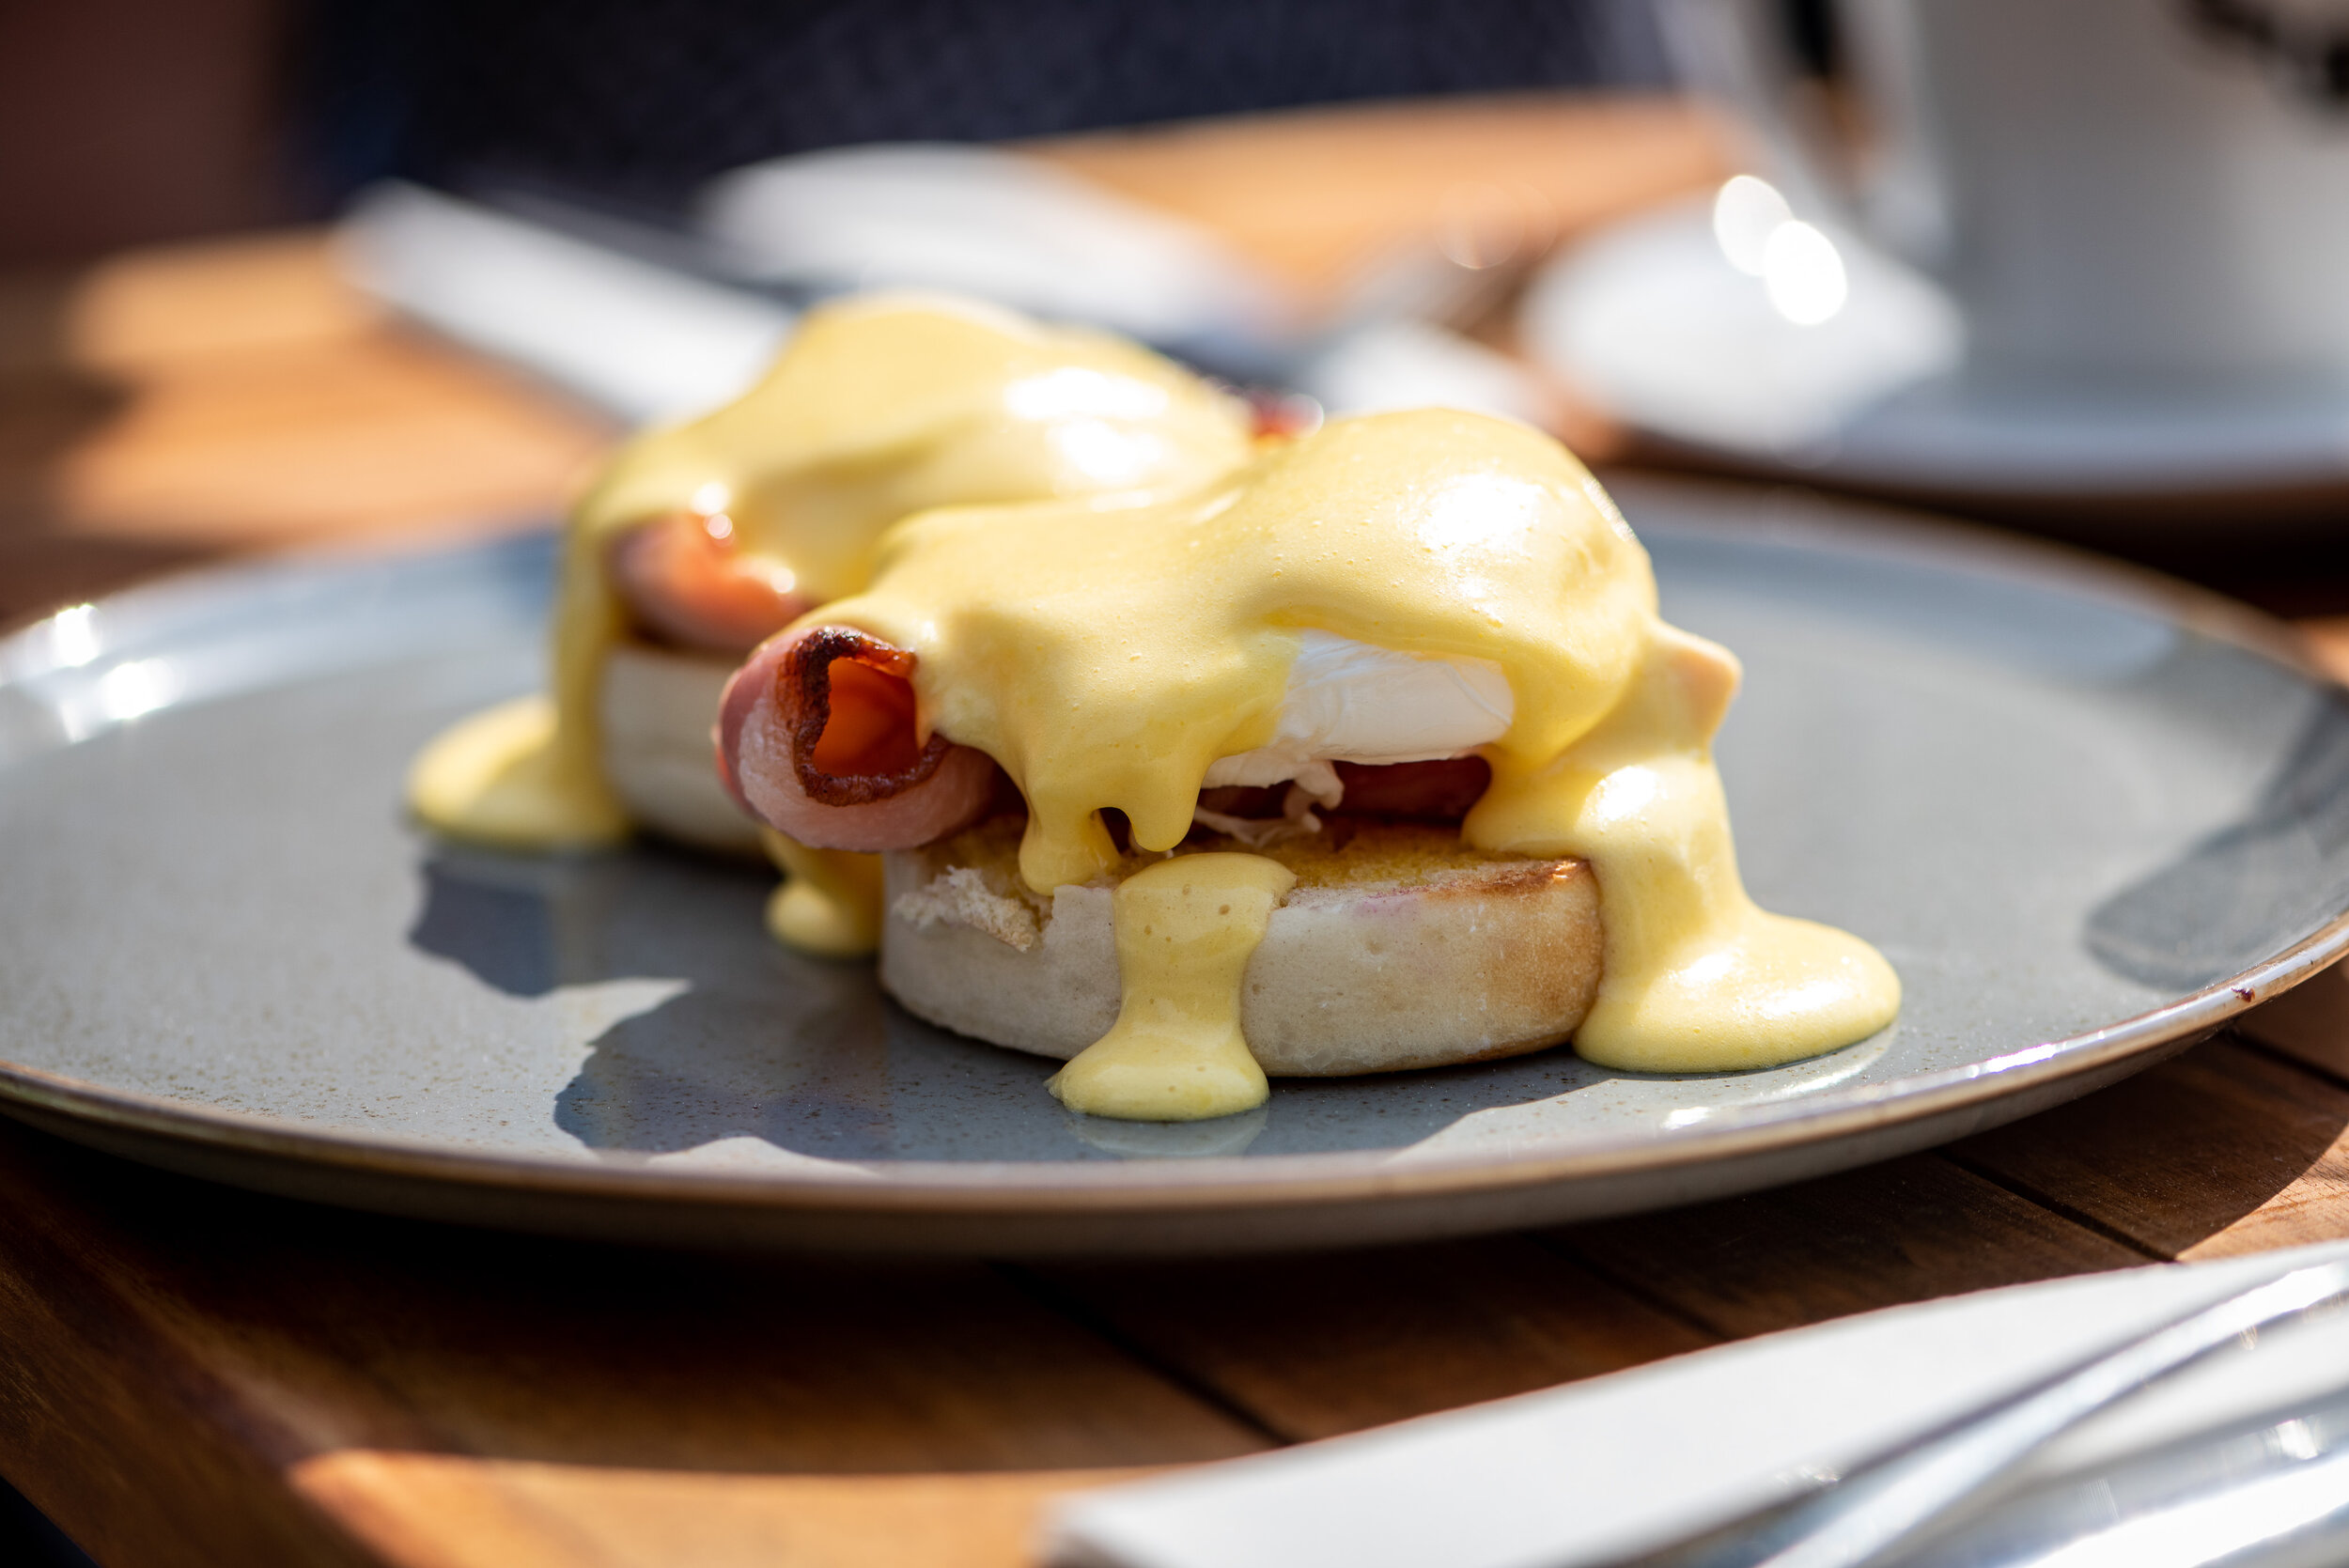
1617	1466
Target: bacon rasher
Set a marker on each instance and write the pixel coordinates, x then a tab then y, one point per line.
685	581
817	737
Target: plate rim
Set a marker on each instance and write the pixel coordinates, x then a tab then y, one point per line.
976	1189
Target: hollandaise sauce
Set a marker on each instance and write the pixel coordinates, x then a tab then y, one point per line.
831	903
496	778
879	407
1185	929
1108	652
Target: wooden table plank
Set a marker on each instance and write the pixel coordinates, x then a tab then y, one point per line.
108	1425
182	1355
426	1510
1316	195
339	439
178	404
1314	1345
2309	1023
1907	1229
2225	1150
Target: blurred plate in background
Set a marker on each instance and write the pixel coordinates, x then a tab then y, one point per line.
1848	374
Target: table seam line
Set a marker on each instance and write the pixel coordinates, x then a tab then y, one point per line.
1067	1305
1638	1290
2055	1206
2326	1076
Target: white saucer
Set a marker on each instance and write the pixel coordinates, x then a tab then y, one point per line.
1651	320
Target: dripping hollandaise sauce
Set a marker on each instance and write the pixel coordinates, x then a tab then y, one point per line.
879	407
1104	587
1106	655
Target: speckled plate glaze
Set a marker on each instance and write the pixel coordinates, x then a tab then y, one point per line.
2088	815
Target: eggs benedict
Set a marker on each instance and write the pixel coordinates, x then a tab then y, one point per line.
699	540
1374	753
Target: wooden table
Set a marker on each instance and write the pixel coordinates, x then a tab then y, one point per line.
192	1376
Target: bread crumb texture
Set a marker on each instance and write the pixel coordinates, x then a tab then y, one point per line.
1398	948
974	879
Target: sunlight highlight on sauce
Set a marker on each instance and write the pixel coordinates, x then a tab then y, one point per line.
879	407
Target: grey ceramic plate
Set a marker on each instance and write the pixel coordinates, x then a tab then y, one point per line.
2088	815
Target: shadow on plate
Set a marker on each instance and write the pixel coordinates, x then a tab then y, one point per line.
2246	891
808	1056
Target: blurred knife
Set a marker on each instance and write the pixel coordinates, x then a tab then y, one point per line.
644	340
655	322
1007	228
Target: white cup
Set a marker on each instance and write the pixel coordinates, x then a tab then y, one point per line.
2144	194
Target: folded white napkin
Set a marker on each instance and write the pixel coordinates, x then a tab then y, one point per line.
1617	1466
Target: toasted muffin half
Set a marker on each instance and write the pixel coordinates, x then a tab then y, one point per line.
1398	948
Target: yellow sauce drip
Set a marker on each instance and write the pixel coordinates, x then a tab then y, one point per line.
495	773
879	407
831	903
1185	930
1107	653
1697	978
